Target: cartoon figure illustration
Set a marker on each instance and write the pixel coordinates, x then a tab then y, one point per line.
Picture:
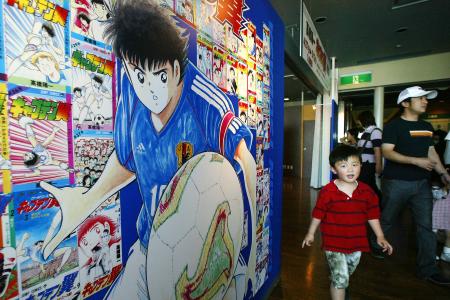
40	40
98	20
39	155
95	238
35	253
165	101
93	101
5	164
81	17
7	264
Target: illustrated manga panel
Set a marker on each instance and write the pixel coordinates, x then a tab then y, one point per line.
185	9
37	46
36	220
243	111
232	78
204	56
93	76
251	41
231	40
99	247
266	124
89	19
5	162
259	88
91	154
266	42
259	53
9	288
242	80
39	128
166	4
205	17
219	67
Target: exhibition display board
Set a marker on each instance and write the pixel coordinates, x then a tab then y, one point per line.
141	149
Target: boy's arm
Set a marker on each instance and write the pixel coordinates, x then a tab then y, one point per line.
309	237
421	162
381	240
438	167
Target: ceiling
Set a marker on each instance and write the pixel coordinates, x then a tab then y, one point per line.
365	31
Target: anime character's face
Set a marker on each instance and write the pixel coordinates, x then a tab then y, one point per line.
96	85
28	156
100	10
77	93
46	66
38	245
93	237
156	87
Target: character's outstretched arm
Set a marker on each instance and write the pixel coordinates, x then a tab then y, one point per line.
20	250
248	165
78	203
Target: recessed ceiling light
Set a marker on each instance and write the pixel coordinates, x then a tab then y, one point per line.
320	20
286	99
401	29
398	46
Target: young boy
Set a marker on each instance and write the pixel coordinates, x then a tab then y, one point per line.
342	209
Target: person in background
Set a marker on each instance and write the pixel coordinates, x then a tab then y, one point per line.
410	156
370	147
343	246
351	137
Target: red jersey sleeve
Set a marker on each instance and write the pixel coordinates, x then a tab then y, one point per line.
373	208
321	205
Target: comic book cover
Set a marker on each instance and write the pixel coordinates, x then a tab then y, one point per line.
242	80
204	56
91	151
251	41
232	78
266	42
37	43
36	219
243	111
99	247
266	99
251	77
259	54
89	20
205	17
219	68
259	153
185	9
260	122
231	41
2	45
242	45
266	73
9	288
259	88
262	258
252	117
93	86
166	4
39	128
266	124
5	162
219	33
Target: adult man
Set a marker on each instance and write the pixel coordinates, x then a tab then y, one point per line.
165	102
410	157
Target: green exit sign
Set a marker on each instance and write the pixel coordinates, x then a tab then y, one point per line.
356	78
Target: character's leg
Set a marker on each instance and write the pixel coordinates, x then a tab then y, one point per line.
132	280
65	252
25	123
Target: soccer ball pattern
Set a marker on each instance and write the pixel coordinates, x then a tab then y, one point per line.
99	120
196	234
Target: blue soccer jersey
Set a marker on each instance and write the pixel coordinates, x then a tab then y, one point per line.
203	121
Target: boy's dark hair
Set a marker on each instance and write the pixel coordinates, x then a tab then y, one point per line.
98	79
76	89
84	17
49	28
144	33
102	2
33	161
366	118
342	153
38	242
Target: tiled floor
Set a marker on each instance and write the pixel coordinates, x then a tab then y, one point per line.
304	273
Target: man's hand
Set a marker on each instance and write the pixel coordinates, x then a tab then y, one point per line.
383	243
73	212
308	240
445	178
424	163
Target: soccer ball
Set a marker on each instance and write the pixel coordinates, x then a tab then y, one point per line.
196	233
99	120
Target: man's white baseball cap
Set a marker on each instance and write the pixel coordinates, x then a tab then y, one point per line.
415	91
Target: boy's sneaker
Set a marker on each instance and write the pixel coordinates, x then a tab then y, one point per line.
377	253
445	257
438	279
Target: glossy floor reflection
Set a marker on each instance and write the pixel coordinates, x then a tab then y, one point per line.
304	273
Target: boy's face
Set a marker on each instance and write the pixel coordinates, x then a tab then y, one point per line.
347	170
156	87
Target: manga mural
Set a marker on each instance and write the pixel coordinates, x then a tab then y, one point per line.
110	107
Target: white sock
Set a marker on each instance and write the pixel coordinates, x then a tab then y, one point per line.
446	250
